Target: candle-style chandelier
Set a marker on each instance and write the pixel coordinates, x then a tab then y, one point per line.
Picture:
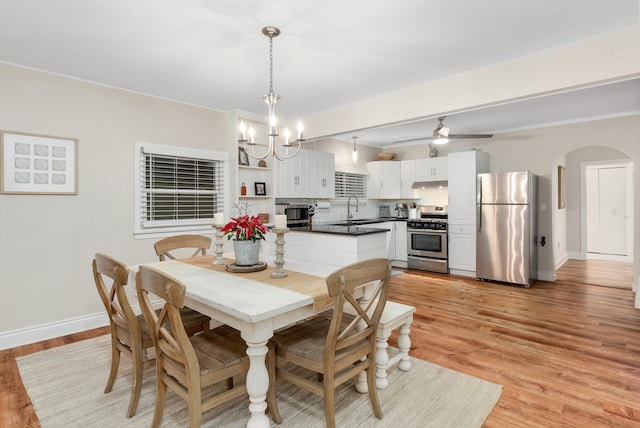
247	137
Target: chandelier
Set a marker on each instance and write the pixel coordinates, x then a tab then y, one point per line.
289	148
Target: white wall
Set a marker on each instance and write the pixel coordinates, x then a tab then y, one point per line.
47	242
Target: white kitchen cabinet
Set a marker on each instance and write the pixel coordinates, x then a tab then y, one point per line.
309	174
463	167
431	169
401	241
407	178
322	175
384	180
462	251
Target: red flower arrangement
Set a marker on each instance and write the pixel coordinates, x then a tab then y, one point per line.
245	227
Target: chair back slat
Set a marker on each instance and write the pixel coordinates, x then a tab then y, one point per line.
165	246
347	331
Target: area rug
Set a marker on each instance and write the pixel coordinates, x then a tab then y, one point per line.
66	387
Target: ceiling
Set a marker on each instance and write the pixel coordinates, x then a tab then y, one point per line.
212	53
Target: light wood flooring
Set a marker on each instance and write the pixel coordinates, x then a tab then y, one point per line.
567	353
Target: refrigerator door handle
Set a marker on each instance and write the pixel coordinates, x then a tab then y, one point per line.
479	204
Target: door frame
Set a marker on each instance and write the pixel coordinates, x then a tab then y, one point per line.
612	163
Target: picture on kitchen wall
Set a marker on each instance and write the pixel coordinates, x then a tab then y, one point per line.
243	158
38	164
562	188
261	190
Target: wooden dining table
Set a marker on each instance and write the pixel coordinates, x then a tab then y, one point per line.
255	304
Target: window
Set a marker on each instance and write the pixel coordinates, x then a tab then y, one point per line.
178	189
350	184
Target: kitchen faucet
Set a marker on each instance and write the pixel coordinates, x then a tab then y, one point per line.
349	215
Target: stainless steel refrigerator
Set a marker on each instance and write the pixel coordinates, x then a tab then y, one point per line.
507	227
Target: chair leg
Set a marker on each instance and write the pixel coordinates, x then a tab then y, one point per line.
161	396
115	363
272	402
329	401
194	399
137	381
373	391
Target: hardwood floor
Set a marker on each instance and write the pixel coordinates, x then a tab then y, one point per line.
567	353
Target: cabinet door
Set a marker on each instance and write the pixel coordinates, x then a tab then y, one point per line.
328	178
462	251
431	169
315	175
373	181
401	241
440	168
406	178
390	181
462	188
285	172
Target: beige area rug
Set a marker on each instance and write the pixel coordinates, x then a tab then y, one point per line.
66	387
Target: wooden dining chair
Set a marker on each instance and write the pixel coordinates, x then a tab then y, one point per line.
188	365
165	246
337	347
129	332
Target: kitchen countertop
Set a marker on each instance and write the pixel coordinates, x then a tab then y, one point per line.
354	230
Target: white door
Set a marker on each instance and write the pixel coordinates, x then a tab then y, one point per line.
607	210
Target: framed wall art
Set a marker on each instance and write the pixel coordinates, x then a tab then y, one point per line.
261	189
243	157
38	164
562	187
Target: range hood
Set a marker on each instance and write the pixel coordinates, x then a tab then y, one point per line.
429	184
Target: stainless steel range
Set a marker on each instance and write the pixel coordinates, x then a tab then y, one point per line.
427	239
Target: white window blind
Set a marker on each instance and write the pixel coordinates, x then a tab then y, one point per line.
179	190
350	184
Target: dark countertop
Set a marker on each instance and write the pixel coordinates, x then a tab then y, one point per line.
354	230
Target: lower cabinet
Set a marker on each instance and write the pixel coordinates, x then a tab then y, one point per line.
396	240
462	250
401	241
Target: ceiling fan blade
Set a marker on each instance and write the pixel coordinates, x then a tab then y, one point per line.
469	136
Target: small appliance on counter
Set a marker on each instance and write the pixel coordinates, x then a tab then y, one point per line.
401	210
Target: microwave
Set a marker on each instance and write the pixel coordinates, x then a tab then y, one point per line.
297	215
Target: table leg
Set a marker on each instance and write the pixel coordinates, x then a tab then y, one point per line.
257	385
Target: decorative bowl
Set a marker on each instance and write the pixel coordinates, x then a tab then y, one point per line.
386	156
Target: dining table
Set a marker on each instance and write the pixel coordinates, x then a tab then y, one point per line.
257	305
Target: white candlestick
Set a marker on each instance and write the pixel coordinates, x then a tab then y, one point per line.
218	219
281	221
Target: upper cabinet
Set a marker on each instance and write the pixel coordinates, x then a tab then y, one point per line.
462	185
431	169
407	177
384	180
309	174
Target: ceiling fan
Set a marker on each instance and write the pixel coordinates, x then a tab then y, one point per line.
442	135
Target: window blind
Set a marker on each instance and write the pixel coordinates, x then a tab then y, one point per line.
350	184
178	190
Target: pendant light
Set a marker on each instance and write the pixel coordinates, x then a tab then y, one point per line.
354	154
289	148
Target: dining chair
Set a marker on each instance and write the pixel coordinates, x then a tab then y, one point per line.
129	332
189	365
164	246
336	346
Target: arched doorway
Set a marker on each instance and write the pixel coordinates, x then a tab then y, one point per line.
570	223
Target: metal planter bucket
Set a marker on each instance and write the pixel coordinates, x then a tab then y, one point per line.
247	252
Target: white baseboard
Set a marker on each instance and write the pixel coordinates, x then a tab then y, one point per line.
576	255
24	336
546	276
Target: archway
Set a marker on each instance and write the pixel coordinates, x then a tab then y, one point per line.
569	223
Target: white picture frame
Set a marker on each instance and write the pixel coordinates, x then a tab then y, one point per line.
38	164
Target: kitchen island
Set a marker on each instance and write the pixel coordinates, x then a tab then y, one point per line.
329	244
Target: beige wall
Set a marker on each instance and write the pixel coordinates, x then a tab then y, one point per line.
47	242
